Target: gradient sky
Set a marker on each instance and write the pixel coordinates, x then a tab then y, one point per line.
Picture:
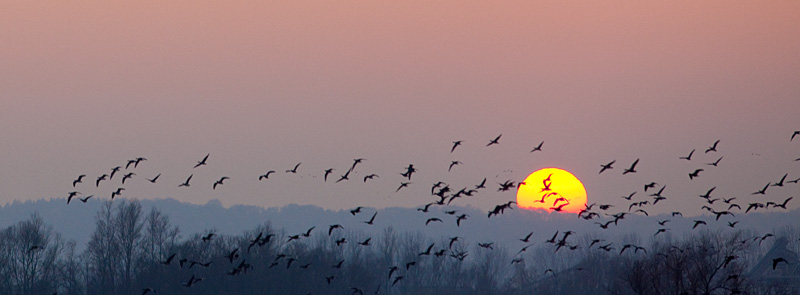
87	85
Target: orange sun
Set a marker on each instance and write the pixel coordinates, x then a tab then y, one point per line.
552	189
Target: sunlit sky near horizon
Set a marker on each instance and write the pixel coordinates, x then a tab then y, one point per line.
86	86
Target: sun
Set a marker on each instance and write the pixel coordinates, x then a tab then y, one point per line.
552	189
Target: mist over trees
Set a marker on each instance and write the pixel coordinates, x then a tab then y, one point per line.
133	251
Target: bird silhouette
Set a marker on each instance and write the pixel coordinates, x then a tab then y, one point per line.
79	180
763	191
526	239
84	200
345	176
432	219
71	195
453	163
219	182
208	237
496	140
118	192
780	182
427	252
631	169
402	185
607	166
796	133
482	184
327	172
372	220
538	147
713	147
293	170
356	162
265	175
114	171
332	227
127	176
455	145
698	222
202	162
689	157
694	174
371	176
715	163
154	179
186	183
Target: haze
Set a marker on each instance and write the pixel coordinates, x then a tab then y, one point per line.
87	86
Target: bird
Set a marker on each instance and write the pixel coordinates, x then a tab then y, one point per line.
203	161
117	192
527	238
365	242
607	166
154	179
308	232
779	259
707	195
332	227
371	176
628	197
186	183
713	147
397	279
114	171
689	157
265	175
453	163
538	147
698	222
428	251
356	162
763	191
632	169
658	194
127	176
356	210
694	174
293	170
84	200
432	219
482	184
780	182
715	163
402	185
208	237
346	176
219	182
649	186
456	144
796	133
71	195
371	220
327	171
496	140
79	180
460	218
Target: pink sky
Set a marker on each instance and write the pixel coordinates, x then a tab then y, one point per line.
86	86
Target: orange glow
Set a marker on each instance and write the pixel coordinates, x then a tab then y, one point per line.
551	188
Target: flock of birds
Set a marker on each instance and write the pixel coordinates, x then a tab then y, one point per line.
443	194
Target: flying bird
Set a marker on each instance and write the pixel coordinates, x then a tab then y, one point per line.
101	178
713	147
327	171
266	175
371	220
779	259
219	182
293	170
79	180
402	185
154	178
496	140
698	222
689	157
538	148
186	183
694	174
632	169
371	176
71	195
715	163
455	144
453	163
607	166
203	161
127	176
796	133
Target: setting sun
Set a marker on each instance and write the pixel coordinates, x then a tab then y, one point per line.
552	189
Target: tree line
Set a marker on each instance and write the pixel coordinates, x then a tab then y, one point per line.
137	252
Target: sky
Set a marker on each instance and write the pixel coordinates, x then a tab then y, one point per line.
88	85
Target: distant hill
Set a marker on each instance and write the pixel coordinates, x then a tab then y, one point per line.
76	221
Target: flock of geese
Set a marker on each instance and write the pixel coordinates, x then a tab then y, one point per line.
443	194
